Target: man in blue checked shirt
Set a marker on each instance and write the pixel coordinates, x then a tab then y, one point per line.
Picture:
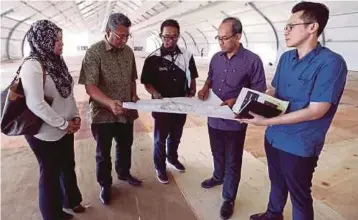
312	79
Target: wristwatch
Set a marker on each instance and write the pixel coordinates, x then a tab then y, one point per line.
156	95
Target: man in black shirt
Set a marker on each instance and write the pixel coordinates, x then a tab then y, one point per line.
169	71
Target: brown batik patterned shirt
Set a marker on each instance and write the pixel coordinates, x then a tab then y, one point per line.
112	70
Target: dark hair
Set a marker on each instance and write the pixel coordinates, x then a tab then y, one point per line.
236	24
170	23
116	19
313	12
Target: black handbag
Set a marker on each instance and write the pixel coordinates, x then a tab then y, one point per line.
16	117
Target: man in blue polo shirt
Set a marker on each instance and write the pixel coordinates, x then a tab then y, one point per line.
312	79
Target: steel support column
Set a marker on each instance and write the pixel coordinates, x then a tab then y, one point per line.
193	41
253	6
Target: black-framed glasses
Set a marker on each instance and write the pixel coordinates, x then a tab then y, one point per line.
224	38
122	36
168	38
289	27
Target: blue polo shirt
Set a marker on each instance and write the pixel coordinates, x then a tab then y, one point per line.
320	76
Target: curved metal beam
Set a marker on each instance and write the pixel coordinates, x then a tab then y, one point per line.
163	4
193	41
23	46
10	35
253	6
246	41
323	39
202	33
206	39
155	37
186	46
155	43
7	12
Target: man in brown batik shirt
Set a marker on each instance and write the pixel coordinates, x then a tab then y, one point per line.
109	73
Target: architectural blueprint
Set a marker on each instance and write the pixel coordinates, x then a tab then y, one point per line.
209	108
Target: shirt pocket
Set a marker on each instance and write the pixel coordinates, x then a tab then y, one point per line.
300	88
306	80
126	65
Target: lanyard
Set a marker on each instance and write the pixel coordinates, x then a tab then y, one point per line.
172	62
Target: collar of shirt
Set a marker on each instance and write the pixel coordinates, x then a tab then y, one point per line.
165	52
238	53
108	45
309	57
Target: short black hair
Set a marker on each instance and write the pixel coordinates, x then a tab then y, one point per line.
170	23
236	24
313	12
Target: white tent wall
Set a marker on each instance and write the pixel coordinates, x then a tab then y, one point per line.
199	21
190	43
15	47
341	35
94	36
140	45
7	26
3	49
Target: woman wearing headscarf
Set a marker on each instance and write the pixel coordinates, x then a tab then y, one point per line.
54	143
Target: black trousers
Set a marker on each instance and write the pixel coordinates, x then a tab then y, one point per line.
290	173
168	130
104	134
58	182
227	149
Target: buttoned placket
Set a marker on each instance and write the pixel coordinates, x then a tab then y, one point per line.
226	71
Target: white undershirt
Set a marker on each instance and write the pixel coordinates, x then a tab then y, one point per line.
55	116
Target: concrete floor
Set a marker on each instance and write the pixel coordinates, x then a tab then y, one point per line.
333	188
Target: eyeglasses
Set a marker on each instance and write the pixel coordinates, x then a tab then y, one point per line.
168	38
289	27
120	37
224	38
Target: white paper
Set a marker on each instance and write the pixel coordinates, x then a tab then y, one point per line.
248	94
185	105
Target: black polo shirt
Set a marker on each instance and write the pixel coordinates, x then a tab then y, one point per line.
167	71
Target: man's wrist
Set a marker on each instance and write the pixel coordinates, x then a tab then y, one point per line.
108	102
207	84
206	87
268	122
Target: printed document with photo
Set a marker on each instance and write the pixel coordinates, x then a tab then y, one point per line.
259	103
